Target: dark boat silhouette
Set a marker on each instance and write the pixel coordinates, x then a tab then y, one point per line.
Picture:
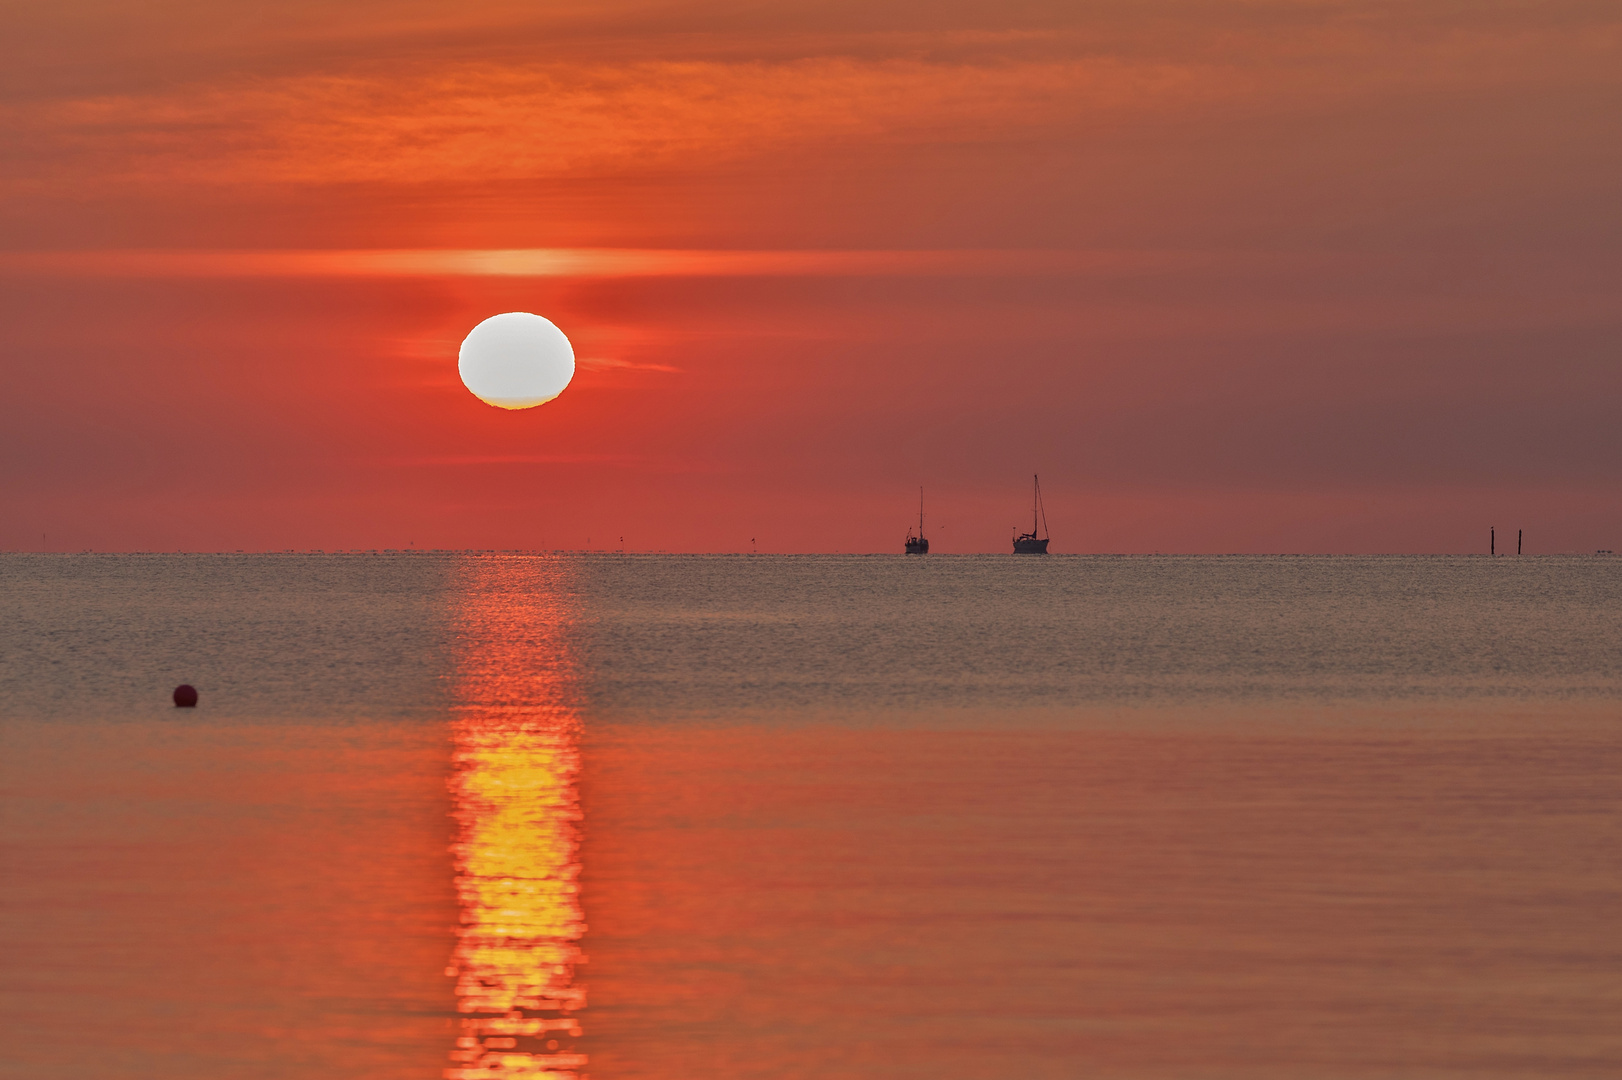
1030	543
917	545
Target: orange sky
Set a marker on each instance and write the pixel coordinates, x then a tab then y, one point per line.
1232	276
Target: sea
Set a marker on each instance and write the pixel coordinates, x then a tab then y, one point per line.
482	815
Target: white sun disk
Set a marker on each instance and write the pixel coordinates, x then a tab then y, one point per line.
516	360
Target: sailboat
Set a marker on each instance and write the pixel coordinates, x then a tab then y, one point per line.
917	545
1029	543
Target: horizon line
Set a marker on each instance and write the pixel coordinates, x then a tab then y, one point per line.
849	554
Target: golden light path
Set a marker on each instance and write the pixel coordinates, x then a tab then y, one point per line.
515	763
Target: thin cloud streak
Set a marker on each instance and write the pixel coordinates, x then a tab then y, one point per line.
515	459
603	363
596	263
642	463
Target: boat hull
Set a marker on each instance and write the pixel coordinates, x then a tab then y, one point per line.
917	546
1025	546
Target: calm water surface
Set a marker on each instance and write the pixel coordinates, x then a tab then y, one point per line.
482	816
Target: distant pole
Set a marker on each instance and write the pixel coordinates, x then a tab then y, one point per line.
1518	541
1492	540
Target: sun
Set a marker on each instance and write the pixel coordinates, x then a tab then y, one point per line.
516	361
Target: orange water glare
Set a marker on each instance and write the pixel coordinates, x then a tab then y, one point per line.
515	764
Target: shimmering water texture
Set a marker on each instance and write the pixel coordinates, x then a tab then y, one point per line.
948	817
513	791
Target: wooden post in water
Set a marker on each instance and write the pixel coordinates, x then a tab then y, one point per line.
1518	533
1492	540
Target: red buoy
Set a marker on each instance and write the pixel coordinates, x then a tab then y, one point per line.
185	696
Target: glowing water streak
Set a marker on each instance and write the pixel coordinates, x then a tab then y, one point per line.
515	763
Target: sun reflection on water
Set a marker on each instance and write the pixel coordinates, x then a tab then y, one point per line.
515	763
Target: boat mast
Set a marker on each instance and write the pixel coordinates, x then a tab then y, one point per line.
1036	497
920	510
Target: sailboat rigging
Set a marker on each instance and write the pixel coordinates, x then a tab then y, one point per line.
1031	543
917	545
